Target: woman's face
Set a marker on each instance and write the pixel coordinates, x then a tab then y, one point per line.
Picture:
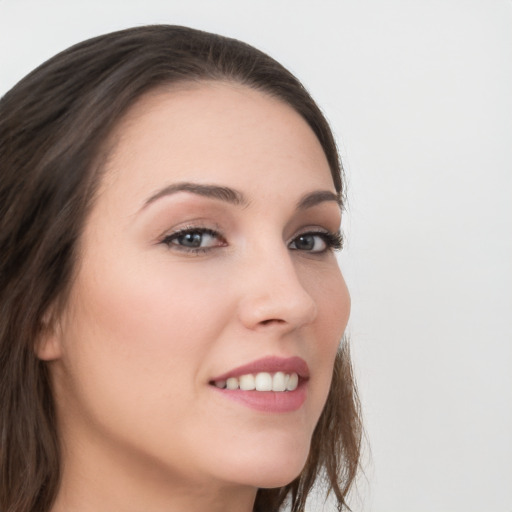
206	257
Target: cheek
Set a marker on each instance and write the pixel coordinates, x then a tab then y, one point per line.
139	330
329	290
330	293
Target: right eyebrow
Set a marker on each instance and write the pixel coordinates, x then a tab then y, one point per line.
219	192
318	197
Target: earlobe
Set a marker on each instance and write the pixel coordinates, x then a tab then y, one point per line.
47	346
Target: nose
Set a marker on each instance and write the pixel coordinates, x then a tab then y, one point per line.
273	294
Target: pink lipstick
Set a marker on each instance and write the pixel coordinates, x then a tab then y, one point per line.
270	384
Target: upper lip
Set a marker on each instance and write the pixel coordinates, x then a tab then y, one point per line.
270	364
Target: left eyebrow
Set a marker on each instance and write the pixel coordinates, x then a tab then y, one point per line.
317	197
218	192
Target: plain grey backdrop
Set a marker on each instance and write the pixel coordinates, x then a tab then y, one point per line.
419	96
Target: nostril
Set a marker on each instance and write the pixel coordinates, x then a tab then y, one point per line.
271	321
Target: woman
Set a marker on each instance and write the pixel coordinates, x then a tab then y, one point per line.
171	304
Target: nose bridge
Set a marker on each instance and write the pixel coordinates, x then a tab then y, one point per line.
274	293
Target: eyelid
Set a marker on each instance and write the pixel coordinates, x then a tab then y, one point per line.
169	237
199	224
333	239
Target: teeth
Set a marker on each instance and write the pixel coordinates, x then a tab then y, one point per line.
262	381
246	382
232	383
279	381
293	382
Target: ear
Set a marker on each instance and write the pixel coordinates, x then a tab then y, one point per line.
48	345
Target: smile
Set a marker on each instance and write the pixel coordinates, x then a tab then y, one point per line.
262	381
269	385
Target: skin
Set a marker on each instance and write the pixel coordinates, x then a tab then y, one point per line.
147	325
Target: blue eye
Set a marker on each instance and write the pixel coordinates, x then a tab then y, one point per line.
317	242
194	240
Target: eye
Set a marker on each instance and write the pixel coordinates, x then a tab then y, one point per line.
194	240
317	242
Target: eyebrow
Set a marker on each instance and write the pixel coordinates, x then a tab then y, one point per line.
226	194
317	197
237	198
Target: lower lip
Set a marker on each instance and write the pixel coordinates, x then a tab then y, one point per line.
268	401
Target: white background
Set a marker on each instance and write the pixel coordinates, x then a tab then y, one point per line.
419	94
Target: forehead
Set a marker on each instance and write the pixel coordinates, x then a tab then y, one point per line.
215	132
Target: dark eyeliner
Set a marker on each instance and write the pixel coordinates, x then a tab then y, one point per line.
169	239
332	240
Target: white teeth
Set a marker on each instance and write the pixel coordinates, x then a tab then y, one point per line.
247	383
232	383
293	382
279	382
262	381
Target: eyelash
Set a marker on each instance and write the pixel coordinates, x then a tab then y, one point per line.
168	240
333	240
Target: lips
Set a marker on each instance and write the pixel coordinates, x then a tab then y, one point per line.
286	365
271	384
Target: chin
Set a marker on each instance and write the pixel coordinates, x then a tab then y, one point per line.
275	479
271	468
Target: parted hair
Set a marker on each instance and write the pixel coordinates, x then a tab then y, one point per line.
53	128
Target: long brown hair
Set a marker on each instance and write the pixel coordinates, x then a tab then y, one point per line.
53	127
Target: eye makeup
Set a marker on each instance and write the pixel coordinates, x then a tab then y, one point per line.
201	240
